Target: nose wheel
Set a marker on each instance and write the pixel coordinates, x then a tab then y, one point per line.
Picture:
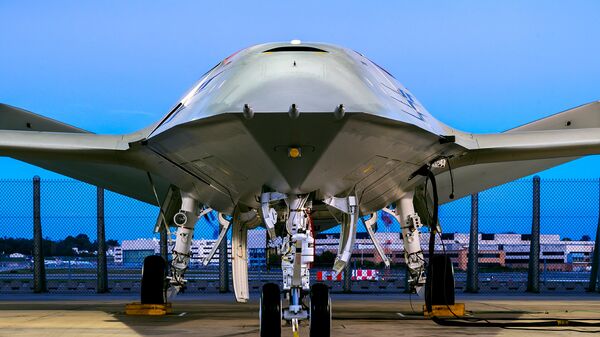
296	246
270	311
270	314
320	311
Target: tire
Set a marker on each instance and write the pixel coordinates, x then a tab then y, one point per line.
270	311
439	287
154	277
320	311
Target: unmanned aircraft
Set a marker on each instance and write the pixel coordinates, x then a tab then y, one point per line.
297	138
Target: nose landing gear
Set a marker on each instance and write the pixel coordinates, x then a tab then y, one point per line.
271	312
320	311
296	248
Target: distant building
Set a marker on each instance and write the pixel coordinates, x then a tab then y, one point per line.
495	250
16	256
134	251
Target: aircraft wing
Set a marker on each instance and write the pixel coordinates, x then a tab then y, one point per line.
102	160
493	159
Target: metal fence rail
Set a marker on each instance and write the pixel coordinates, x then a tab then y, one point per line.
528	235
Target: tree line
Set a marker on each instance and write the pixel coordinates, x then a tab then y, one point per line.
79	245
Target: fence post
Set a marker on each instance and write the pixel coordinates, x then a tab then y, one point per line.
533	277
163	244
39	270
223	266
347	278
596	257
102	282
473	261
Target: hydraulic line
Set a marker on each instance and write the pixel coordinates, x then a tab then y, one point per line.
477	321
516	322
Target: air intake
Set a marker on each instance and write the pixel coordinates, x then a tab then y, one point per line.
295	49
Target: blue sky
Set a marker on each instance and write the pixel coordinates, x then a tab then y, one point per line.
69	207
482	66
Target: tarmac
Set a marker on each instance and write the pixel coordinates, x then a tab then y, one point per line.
353	315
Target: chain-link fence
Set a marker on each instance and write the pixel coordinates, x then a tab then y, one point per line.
501	218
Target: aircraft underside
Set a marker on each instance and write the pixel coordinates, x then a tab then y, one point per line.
288	218
233	159
296	177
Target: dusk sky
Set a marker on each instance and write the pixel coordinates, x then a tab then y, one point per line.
116	67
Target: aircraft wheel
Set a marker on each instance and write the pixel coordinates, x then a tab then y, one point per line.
441	275
154	276
320	311
270	311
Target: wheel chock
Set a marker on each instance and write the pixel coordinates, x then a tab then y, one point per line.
451	310
139	309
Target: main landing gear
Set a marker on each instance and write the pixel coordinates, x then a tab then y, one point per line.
159	282
440	283
438	287
410	224
154	276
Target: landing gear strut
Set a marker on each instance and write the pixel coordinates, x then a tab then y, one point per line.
185	221
413	255
438	286
296	248
297	253
158	284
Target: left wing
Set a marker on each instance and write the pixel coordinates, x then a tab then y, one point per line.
493	159
102	160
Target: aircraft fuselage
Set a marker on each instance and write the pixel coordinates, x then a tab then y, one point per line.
357	129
